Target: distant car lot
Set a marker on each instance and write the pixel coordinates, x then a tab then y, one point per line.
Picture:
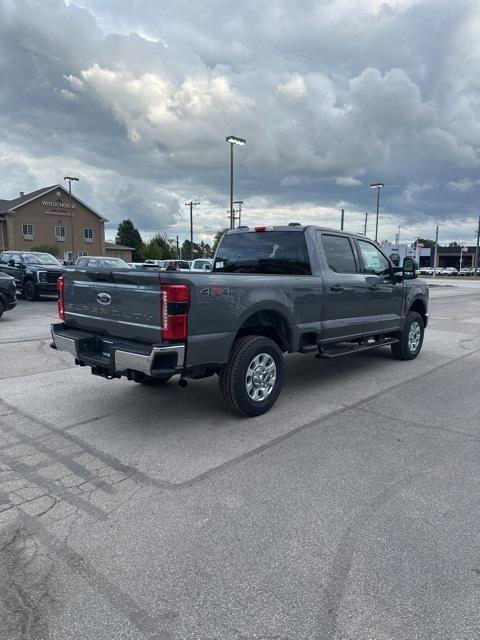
137	511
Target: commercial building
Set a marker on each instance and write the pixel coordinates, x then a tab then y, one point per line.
48	218
425	257
119	251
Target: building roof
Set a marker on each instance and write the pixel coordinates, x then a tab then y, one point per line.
9	206
112	245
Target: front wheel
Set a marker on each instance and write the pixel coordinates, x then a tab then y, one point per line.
30	290
252	379
410	339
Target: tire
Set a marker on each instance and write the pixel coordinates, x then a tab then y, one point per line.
244	392
410	339
150	381
30	290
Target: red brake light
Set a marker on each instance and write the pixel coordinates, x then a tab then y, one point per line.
61	297
260	229
174	311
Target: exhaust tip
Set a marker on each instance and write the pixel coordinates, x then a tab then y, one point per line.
183	383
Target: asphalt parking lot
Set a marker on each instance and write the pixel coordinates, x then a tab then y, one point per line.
350	511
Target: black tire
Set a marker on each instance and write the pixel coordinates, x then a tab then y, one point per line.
233	378
150	381
30	290
404	349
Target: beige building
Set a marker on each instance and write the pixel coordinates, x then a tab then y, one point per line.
44	218
119	251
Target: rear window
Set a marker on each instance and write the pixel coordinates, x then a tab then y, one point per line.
266	252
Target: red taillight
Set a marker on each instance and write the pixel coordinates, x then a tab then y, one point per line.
175	299
260	229
61	297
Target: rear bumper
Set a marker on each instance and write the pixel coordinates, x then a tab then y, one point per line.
118	357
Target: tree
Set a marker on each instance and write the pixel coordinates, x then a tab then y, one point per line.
47	248
206	250
129	236
158	248
216	239
197	251
428	244
453	244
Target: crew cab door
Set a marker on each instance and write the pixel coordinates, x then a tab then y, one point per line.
384	297
14	267
345	289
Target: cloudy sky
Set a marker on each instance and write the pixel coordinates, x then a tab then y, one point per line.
136	97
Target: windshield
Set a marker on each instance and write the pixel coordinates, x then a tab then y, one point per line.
267	252
199	264
39	258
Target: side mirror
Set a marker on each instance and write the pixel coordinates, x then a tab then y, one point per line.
11	263
409	269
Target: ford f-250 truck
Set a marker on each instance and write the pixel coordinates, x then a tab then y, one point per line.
272	290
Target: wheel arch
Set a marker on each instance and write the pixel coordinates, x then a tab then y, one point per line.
271	322
419	305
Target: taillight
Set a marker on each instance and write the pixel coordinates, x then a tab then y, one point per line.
261	229
175	299
61	297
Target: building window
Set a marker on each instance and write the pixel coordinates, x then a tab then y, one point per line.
27	231
82	253
88	235
60	233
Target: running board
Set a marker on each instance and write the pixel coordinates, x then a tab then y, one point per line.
342	349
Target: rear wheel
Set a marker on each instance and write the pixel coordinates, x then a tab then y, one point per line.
252	380
410	339
30	290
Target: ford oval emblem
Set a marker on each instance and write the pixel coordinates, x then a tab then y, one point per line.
104	298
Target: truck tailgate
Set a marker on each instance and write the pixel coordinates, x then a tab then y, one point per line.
121	303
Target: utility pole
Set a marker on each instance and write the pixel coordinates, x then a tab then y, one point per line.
365	227
342	219
435	254
70	180
191	204
178	250
476	248
239	202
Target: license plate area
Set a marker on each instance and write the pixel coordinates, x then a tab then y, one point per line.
95	347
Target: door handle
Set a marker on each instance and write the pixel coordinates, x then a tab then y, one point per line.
374	287
337	287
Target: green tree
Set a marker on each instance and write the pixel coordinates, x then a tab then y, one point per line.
428	244
197	251
206	250
158	248
129	236
47	248
453	244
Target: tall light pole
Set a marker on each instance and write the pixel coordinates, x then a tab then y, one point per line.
239	202
191	204
70	180
232	140
377	186
435	254
365	225
476	249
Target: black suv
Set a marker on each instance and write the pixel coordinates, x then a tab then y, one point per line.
34	272
8	293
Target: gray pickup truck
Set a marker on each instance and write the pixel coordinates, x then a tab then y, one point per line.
272	290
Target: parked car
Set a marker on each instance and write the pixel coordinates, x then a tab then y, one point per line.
101	262
8	293
466	271
201	264
426	271
155	263
139	266
35	273
273	290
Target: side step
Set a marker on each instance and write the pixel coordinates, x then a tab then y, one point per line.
343	349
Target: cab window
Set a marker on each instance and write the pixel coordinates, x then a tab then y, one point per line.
374	261
339	253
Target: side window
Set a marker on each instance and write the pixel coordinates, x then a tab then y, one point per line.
5	257
339	253
373	260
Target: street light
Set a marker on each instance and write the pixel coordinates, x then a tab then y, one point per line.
232	140
191	204
377	186
239	202
70	180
